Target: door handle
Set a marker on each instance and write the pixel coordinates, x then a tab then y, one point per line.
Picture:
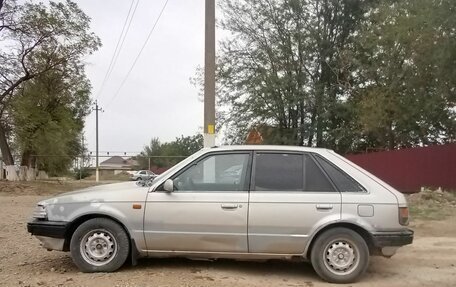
229	206
324	207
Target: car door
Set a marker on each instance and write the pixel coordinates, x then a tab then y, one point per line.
290	197
207	212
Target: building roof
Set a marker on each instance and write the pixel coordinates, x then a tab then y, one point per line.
118	161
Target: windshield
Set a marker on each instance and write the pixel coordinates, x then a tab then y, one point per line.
178	166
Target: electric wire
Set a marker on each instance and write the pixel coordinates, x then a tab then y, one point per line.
119	45
139	54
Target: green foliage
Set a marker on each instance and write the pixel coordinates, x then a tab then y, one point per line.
170	153
48	119
406	59
348	75
81	173
44	93
285	67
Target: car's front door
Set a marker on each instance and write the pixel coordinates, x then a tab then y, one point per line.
207	212
290	196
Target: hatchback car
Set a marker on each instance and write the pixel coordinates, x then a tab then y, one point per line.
238	202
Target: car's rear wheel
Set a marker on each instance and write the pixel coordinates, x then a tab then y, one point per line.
99	245
340	255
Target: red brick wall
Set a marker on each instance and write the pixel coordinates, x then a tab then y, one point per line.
409	169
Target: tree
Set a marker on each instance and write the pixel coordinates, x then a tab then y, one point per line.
48	118
285	66
348	75
169	154
406	59
37	39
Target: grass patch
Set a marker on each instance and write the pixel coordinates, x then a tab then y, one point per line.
42	187
432	204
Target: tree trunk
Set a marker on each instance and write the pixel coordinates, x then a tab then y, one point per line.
11	173
312	128
23	173
4	147
42	175
26	158
31	174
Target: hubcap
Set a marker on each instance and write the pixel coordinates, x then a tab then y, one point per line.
341	257
98	247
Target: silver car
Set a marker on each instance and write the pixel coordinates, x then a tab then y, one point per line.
143	175
239	202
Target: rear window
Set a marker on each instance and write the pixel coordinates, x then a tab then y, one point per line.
341	180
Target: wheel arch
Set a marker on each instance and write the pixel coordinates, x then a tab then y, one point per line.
356	228
80	220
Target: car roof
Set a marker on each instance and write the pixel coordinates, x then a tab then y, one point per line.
267	147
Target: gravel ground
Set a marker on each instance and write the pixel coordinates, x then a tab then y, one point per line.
430	261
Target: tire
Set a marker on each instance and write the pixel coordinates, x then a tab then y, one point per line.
99	245
340	255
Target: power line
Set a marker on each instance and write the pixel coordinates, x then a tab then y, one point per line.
139	54
119	45
128	29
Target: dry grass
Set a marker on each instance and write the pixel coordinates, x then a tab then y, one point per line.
432	204
43	187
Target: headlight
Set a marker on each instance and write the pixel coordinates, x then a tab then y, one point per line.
40	212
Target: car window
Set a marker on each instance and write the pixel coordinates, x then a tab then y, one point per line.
342	180
289	172
142	172
220	172
278	172
314	178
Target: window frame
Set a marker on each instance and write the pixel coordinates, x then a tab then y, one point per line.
246	186
303	155
316	155
253	169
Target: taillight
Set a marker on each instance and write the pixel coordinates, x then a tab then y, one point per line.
403	215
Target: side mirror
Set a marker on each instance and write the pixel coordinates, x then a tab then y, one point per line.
168	186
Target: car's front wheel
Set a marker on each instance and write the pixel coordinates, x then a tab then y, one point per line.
99	245
340	255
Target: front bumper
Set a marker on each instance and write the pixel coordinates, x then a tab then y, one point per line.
50	233
53	229
392	238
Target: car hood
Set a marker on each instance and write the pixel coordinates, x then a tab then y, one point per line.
117	192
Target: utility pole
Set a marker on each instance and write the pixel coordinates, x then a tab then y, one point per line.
97	109
81	163
209	75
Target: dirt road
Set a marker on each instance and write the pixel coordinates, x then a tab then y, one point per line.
430	261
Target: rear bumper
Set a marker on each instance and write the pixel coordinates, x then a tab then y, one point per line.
53	229
393	238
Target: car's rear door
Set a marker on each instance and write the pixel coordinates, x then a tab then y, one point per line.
207	212
290	196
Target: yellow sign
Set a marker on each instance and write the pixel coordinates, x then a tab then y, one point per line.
211	129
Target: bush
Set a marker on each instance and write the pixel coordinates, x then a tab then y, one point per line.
81	173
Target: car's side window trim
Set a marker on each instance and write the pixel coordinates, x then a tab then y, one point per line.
314	155
207	155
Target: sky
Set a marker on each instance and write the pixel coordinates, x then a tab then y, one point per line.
158	99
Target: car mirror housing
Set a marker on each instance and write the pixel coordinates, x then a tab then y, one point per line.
168	186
